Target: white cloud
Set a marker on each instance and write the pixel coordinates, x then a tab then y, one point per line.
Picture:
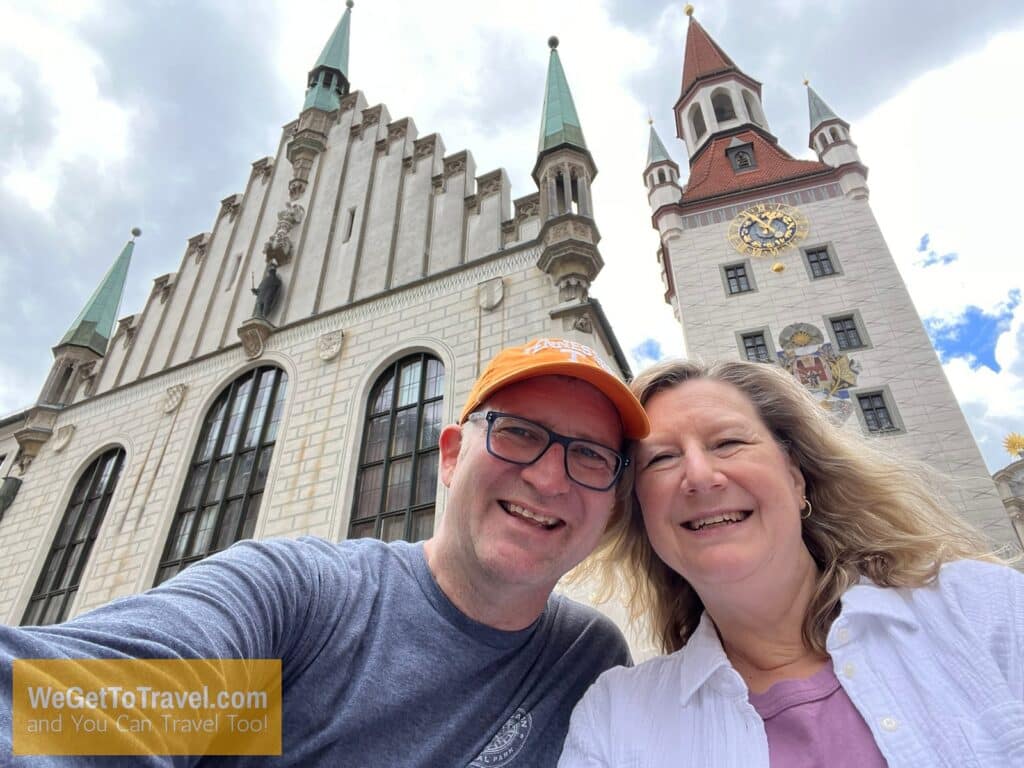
88	126
942	163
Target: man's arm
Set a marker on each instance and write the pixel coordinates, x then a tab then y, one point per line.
252	601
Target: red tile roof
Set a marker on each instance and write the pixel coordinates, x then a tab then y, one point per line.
712	173
703	57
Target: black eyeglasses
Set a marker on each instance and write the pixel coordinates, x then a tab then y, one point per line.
521	441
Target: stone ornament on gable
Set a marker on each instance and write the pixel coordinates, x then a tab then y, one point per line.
126	328
87	372
230	206
329	345
490	293
173	397
197	245
583	324
162	286
63	437
279	247
263	168
254	333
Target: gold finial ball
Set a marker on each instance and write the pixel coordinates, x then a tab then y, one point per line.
349	3
1014	444
806	81
778	266
136	232
688	9
552	42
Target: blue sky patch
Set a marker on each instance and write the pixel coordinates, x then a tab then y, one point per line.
973	334
647	351
923	245
932	257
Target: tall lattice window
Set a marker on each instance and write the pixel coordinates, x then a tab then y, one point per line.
397	478
51	599
224	487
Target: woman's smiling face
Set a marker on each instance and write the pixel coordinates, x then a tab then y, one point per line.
720	497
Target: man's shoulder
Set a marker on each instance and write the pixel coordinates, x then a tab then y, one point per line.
574	620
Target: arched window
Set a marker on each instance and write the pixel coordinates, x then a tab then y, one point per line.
721	101
821	142
51	599
697	122
224	487
397	478
835	134
752	109
661	175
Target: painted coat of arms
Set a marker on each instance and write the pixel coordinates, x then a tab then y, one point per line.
819	367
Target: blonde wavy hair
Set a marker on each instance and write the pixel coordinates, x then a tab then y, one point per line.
874	514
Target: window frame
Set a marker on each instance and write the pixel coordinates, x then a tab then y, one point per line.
888	402
858	322
417	453
748	272
194	501
53	583
766	338
805	253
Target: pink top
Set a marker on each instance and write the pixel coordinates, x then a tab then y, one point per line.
812	722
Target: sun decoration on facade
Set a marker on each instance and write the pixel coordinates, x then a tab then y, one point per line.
1014	444
767	229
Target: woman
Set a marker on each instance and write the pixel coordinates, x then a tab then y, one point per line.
820	605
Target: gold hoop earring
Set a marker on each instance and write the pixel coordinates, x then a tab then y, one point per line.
807	504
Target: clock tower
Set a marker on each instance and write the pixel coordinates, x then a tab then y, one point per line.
778	260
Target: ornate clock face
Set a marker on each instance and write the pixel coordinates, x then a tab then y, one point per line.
767	229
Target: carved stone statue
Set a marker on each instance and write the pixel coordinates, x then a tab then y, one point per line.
267	293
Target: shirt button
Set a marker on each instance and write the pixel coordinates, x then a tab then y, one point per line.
890	724
849	670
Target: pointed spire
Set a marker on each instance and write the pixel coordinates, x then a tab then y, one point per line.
559	122
93	326
818	110
703	56
329	77
656	152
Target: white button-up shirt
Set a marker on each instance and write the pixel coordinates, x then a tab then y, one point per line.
937	673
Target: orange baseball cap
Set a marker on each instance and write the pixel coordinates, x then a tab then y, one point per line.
559	357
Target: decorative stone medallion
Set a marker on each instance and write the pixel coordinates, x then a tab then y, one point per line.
490	293
329	345
63	437
173	397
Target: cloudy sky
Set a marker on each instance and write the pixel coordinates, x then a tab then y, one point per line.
146	113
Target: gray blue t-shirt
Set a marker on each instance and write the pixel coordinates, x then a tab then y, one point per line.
379	668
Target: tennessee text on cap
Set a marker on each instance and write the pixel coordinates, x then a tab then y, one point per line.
559	357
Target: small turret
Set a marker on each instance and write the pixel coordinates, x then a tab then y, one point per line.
326	85
830	139
661	174
563	172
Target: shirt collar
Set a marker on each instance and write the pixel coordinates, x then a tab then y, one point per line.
888	603
702	658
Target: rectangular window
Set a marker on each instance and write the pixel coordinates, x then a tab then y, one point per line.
736	279
846	333
876	412
820	262
755	348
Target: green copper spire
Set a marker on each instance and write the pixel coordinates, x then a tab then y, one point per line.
818	109
656	152
329	77
94	324
559	122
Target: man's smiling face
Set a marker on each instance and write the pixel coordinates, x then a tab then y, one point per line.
525	526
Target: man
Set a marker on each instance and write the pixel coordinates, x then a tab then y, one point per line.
449	653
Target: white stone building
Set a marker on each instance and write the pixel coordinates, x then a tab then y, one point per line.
314	407
781	260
